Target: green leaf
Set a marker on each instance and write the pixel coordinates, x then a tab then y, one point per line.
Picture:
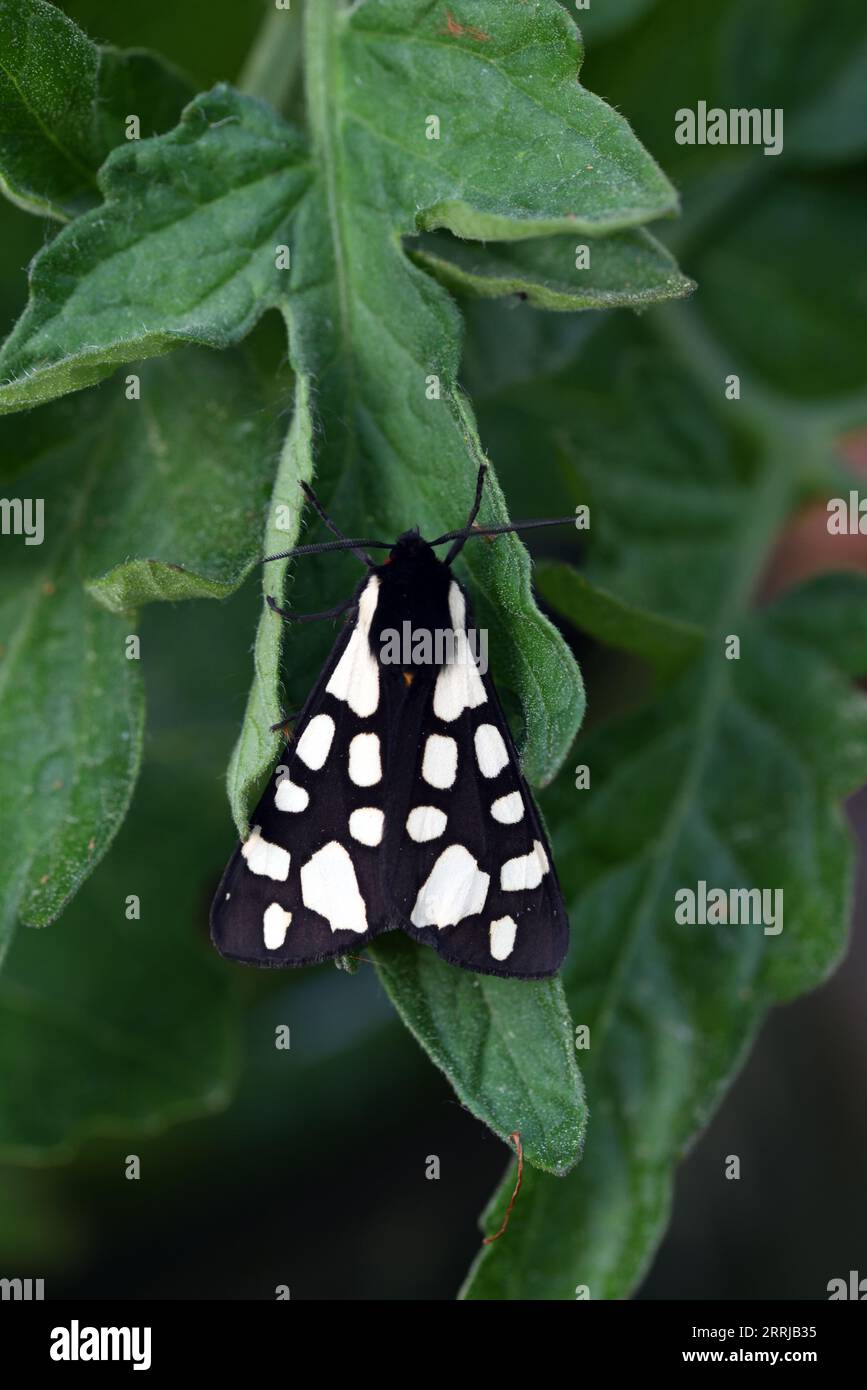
563	161
185	245
140	504
374	320
164	521
181	512
816	74
182	251
63	674
741	55
147	1034
134	82
506	1046
665	487
188	248
668	59
258	744
724	777
671	1008
667	644
628	269
810	346
65	103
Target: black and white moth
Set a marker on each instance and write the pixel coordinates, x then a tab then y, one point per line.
399	802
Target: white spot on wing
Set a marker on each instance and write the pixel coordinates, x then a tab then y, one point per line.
365	764
329	886
502	936
274	923
455	888
439	765
508	810
459	686
271	861
315	742
527	871
491	753
425	823
365	825
289	797
355	678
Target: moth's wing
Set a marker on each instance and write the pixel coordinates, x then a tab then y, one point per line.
469	866
307	885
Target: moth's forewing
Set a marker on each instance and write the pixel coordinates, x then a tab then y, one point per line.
399	802
318	891
470	868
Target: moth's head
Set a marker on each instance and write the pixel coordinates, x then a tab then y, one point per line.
411	550
410	543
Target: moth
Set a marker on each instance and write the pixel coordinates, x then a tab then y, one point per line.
399	801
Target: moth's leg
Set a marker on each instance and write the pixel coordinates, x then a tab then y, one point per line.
463	536
291	617
335	530
284	721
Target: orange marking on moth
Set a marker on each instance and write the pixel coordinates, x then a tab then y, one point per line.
516	1139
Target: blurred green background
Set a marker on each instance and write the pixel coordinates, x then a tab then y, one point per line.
310	1170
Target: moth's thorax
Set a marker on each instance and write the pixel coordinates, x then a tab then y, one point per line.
413	587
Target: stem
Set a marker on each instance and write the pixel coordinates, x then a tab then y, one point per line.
274	60
321	79
319	60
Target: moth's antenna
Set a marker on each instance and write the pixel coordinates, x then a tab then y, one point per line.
502	530
335	530
321	547
460	537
